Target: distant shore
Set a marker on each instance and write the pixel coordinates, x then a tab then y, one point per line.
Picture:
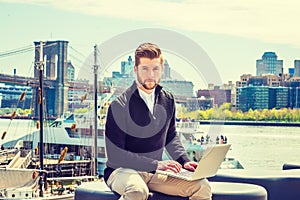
250	123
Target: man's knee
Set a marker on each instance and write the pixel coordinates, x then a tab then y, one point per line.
203	191
206	186
136	193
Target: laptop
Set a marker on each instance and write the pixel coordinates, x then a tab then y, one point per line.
207	167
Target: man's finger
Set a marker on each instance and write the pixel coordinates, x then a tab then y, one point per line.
176	166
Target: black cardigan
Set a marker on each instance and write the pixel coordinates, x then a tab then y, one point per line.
135	138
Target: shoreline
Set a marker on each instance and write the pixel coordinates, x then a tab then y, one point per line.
250	123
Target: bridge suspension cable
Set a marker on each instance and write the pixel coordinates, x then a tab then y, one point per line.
74	55
16	51
20	50
81	54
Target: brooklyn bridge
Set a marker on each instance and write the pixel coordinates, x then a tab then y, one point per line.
56	83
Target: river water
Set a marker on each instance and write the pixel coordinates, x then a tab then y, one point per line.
264	147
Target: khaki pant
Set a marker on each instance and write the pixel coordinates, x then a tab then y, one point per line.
135	185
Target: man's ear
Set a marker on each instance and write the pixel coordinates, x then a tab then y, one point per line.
135	68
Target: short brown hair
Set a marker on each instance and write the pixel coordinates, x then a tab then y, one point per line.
148	50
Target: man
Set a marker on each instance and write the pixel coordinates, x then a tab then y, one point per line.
140	124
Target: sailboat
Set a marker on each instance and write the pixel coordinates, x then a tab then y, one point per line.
28	176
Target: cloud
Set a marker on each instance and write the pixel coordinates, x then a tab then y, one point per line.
272	21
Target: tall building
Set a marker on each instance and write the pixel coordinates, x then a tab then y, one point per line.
167	71
127	67
263	97
253	97
269	65
279	97
219	96
291	71
180	88
297	68
71	71
10	96
271	81
294	94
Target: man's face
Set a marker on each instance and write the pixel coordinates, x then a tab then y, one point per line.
148	73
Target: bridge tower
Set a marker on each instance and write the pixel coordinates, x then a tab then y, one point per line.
55	70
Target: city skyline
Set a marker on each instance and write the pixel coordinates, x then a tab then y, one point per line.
234	35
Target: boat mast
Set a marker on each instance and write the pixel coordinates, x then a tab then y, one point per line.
40	68
95	110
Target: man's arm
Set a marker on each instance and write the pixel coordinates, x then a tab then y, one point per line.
173	143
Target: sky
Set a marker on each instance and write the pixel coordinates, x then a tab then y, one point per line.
233	33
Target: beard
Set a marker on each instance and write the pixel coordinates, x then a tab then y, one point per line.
148	84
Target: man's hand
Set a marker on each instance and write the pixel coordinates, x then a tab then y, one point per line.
169	165
191	166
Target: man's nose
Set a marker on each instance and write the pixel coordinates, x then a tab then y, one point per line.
151	73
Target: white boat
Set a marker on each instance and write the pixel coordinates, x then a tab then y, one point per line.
58	135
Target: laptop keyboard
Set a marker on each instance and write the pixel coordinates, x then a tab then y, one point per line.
183	173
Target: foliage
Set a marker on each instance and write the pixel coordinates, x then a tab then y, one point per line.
224	112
